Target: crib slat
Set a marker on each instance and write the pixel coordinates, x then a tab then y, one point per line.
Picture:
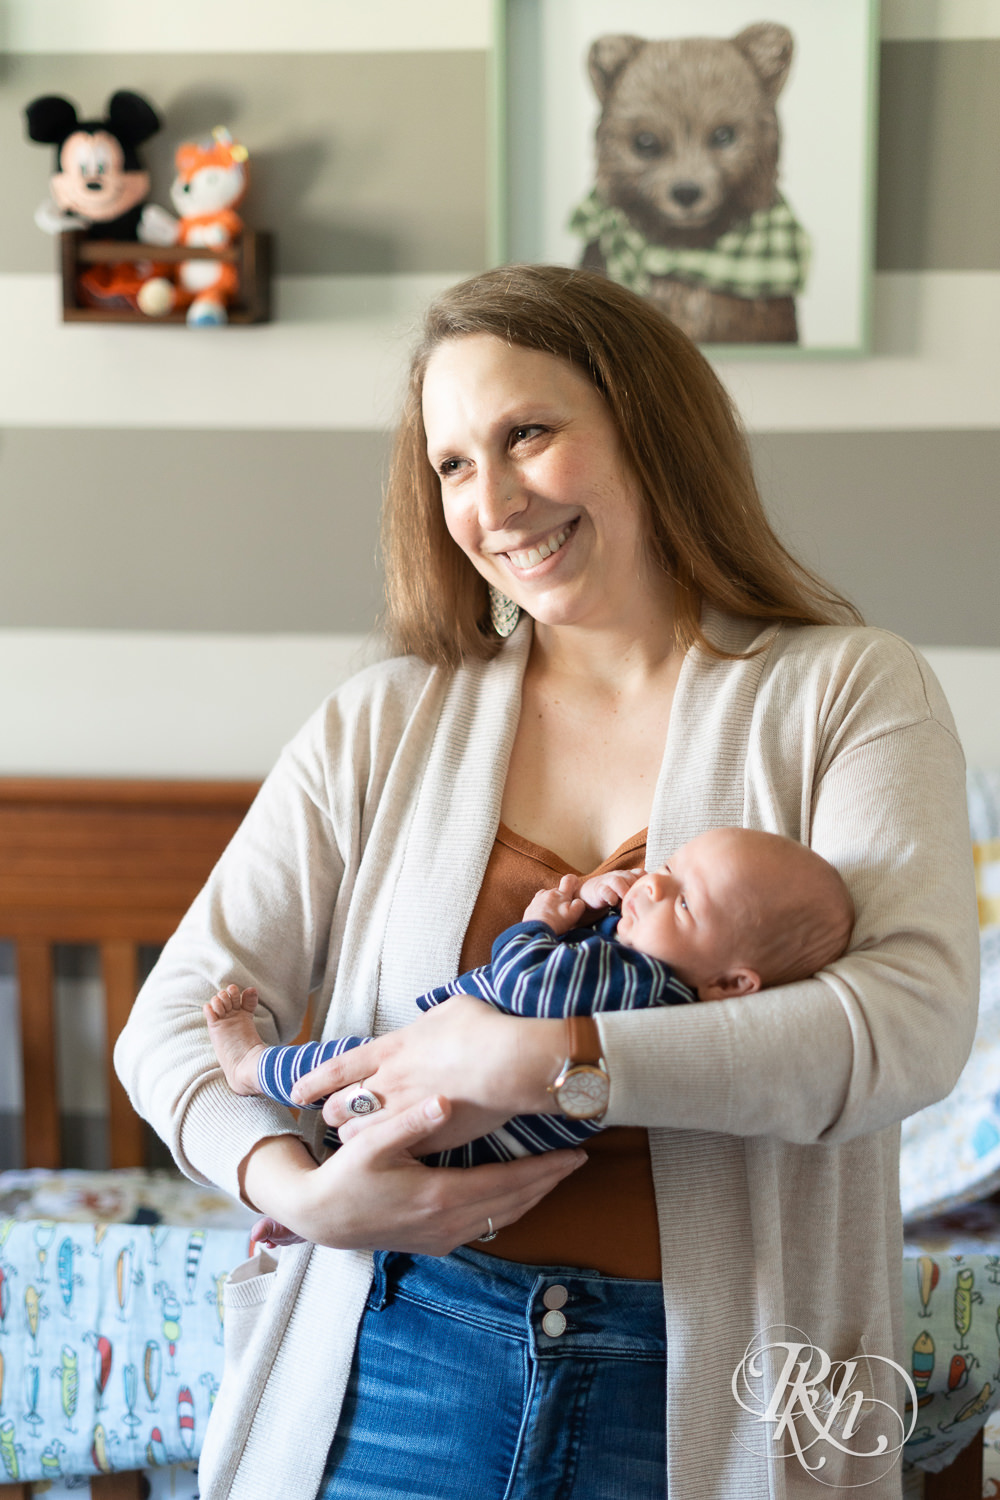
15	1492
38	1051
962	1479
126	1486
120	971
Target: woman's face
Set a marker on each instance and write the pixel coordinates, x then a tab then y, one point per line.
535	489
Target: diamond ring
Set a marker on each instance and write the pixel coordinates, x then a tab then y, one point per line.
490	1234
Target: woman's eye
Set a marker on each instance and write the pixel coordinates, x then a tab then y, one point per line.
683	903
521	434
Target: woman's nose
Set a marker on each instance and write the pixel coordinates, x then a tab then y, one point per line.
500	499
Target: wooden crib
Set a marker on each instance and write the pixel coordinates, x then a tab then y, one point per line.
110	863
116	864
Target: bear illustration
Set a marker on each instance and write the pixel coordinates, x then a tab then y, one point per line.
686	208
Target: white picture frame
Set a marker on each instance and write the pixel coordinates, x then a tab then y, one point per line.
548	110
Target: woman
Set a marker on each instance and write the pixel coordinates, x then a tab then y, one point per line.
673	669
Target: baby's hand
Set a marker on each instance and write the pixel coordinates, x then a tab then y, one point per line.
558	908
607	890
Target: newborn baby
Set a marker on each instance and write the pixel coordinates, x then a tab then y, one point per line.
732	911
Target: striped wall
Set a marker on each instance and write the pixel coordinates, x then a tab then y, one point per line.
188	520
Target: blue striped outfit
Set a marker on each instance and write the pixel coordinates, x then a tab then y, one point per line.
533	972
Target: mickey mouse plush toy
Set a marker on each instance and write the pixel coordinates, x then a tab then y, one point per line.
99	185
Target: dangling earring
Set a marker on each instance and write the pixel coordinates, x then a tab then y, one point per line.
504	613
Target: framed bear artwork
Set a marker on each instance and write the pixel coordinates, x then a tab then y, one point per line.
717	156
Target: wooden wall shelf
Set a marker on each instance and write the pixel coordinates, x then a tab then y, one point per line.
251	254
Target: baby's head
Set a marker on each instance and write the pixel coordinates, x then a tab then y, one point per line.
736	910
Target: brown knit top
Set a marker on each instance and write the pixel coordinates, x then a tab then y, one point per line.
603	1216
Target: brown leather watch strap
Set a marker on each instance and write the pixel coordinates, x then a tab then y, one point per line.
583	1040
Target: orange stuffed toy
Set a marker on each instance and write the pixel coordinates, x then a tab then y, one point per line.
211	179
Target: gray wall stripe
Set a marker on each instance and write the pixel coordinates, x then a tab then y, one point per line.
197	530
360	162
376	162
106	529
905	523
939	143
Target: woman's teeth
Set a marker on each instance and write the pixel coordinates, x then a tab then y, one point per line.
532	556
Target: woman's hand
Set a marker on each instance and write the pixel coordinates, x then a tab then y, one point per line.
373	1194
488	1065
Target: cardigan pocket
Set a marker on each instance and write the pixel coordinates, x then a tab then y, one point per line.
244	1295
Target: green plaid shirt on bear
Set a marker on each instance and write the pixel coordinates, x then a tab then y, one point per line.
765	256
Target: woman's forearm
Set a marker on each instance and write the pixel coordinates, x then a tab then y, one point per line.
375	1193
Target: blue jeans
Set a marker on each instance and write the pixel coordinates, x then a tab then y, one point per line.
477	1378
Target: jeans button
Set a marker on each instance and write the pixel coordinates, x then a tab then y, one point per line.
554	1323
555	1296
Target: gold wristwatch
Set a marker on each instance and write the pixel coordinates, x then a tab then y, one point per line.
582	1087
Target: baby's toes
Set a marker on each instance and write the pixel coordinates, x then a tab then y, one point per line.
223	1002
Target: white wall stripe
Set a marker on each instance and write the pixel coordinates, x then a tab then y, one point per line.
111	26
125	703
120	703
245	26
335	358
332	360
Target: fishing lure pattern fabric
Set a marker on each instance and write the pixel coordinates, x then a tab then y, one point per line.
951	1300
111	1346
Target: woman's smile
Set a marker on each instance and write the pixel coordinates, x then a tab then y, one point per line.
534	486
530	556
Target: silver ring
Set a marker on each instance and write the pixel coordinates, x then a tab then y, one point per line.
490	1234
363	1102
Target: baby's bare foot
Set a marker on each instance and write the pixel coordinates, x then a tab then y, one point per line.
234	1036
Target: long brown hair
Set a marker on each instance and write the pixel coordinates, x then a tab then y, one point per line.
679	434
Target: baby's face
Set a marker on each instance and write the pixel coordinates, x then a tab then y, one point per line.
683	912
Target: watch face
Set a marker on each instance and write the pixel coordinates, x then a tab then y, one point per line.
583	1093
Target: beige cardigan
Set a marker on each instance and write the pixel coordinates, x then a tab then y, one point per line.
773	1119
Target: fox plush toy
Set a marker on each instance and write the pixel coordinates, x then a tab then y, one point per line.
211	180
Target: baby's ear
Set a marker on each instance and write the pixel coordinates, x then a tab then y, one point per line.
729	986
608	56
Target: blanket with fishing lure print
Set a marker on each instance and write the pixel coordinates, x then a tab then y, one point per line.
111	1343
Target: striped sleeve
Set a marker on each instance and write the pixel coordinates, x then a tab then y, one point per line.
280	1068
536	973
476	982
